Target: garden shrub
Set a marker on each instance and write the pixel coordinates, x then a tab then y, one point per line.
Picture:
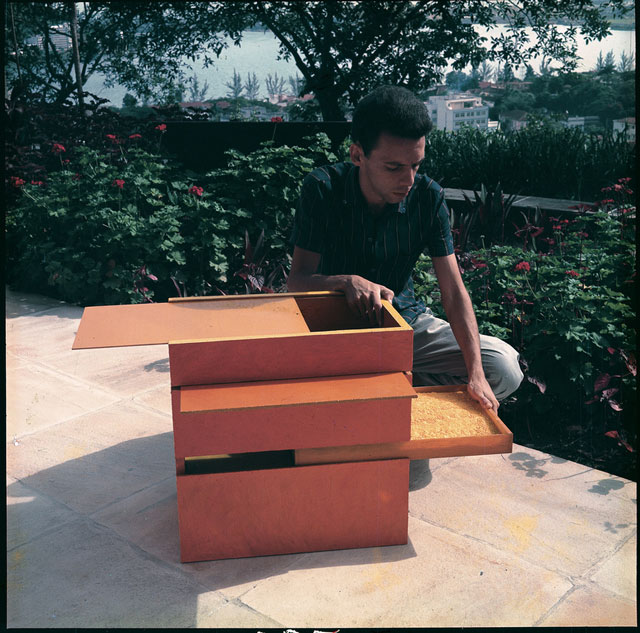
126	225
568	306
540	160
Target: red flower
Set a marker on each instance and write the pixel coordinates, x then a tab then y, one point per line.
196	191
523	266
37	182
66	161
583	234
478	263
111	137
118	183
162	127
135	136
276	119
17	182
571	273
76	176
57	148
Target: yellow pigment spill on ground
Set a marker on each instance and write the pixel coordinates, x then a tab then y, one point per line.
448	414
520	529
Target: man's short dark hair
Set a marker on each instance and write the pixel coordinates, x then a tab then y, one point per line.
391	109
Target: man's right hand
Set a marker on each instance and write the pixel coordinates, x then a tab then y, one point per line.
365	298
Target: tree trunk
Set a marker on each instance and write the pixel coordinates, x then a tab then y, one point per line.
76	54
328	100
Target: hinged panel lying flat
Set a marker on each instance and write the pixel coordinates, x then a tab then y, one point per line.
288	414
158	323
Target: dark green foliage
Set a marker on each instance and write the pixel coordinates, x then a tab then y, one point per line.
568	307
539	160
126	225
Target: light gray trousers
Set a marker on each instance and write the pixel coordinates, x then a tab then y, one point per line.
438	360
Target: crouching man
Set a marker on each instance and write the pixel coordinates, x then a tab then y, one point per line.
360	227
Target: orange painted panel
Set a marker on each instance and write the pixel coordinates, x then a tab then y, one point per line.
158	323
343	353
280	428
288	510
283	393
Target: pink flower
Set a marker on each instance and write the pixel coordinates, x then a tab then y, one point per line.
66	161
17	182
276	119
135	136
196	191
37	182
112	137
583	234
523	266
57	148
571	273
162	127
118	183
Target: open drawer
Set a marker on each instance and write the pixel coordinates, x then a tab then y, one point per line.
445	422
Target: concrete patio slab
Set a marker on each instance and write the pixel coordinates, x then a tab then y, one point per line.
618	573
589	604
38	398
124	370
525	539
519	510
84	575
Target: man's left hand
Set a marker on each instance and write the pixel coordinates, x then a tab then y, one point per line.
480	390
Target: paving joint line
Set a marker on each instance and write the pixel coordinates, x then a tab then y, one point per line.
560	573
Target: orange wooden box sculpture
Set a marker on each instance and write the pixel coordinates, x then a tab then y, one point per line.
292	419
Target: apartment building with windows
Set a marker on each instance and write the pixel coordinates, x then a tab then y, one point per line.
451	112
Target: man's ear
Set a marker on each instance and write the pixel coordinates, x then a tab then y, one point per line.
356	153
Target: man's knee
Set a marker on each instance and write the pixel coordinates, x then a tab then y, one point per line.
503	370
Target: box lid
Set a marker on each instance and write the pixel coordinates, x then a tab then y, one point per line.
211	318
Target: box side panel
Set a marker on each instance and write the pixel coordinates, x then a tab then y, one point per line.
280	428
303	356
283	511
282	393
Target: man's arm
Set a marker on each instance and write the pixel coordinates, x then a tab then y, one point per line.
459	310
363	296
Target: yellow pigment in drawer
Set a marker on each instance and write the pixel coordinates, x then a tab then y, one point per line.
448	414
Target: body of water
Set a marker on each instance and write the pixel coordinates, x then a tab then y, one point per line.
258	54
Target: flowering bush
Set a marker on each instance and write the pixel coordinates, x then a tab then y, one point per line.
122	224
568	308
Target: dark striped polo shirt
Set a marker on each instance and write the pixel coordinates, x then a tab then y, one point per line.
332	218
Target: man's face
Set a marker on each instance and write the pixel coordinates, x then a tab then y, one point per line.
387	174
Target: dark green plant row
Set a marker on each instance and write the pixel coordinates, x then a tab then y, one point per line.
539	160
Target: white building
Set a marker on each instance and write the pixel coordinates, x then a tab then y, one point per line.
627	127
451	112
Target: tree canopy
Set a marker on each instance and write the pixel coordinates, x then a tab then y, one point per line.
342	49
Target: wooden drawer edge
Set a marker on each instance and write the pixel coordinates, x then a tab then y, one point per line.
414	449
